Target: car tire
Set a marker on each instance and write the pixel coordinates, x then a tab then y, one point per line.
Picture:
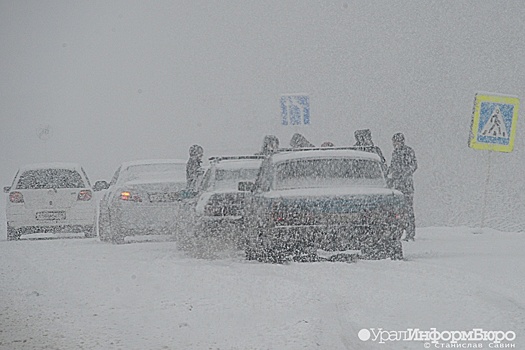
272	252
116	233
396	250
12	233
103	227
91	231
375	251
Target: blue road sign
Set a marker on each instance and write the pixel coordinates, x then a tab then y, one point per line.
295	110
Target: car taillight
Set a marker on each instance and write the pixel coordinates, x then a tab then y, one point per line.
84	195
128	196
16	197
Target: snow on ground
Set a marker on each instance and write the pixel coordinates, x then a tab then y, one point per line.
85	294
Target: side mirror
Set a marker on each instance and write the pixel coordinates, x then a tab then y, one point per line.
7	189
246	186
100	185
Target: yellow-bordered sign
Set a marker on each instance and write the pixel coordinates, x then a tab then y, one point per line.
494	122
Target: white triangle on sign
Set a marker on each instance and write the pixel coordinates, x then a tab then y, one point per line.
495	125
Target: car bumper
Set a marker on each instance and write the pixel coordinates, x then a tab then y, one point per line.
326	237
31	220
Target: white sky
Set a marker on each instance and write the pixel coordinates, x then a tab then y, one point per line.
124	80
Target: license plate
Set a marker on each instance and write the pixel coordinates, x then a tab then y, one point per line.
51	215
344	217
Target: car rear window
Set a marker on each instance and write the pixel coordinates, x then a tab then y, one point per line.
49	178
328	172
173	171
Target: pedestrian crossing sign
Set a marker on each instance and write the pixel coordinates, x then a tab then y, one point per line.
494	122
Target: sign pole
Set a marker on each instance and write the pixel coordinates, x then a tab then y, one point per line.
485	193
493	128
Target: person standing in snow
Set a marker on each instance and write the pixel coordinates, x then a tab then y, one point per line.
363	141
299	141
193	166
402	167
270	145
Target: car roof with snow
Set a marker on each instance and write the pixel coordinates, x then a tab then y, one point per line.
237	162
332	152
54	165
153	161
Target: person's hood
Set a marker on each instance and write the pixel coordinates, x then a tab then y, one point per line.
299	140
363	137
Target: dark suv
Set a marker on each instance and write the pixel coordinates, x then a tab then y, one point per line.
333	199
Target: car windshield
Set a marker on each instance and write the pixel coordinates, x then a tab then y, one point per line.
160	171
307	173
229	178
49	178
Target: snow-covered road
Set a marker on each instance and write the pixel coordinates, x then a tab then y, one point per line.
84	294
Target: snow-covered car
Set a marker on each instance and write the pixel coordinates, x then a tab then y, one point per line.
329	199
220	205
50	197
144	197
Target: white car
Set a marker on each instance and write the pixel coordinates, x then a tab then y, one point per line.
220	206
144	197
50	197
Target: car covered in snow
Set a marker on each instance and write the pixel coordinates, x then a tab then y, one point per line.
144	197
220	205
50	197
322	199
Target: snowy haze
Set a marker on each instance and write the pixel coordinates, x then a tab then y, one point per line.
114	81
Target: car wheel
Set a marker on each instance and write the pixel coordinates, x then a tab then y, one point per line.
255	249
103	227
272	251
12	234
116	235
250	251
91	231
375	251
396	250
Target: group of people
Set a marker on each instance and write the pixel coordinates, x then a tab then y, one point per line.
403	164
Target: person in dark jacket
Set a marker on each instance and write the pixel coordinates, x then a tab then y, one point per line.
270	145
363	141
193	166
402	167
299	141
